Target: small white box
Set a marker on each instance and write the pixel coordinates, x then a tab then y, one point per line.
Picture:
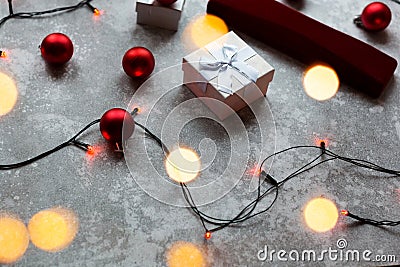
151	12
247	73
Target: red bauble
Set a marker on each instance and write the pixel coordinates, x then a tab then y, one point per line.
138	62
166	2
376	16
117	125
57	48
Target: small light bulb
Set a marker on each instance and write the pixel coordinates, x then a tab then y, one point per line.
344	212
135	111
207	235
96	12
90	150
321	142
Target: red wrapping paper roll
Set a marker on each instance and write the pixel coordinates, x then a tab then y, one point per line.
287	30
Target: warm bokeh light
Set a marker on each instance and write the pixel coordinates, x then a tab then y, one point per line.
321	82
204	29
8	94
53	229
183	165
183	254
321	214
14	239
3	54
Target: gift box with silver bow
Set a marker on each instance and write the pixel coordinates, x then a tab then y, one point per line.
227	70
151	12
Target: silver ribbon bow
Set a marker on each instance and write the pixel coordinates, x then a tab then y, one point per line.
228	62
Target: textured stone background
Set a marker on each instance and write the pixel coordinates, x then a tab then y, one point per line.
121	224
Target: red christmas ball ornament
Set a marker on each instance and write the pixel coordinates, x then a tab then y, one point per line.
57	48
376	16
166	2
138	62
117	125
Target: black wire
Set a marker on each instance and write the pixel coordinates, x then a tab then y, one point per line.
10	7
26	15
91	7
216	221
245	214
75	142
154	137
71	141
248	211
373	222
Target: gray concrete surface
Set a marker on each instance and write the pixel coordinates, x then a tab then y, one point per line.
122	225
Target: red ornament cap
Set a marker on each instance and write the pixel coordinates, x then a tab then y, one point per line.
117	125
57	48
166	2
376	16
138	62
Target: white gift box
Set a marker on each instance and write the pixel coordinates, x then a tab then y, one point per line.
229	71
153	13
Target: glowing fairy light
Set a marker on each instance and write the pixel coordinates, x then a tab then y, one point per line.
91	150
344	212
14	239
96	12
318	141
8	94
185	254
53	229
203	30
254	171
183	165
207	235
321	214
321	82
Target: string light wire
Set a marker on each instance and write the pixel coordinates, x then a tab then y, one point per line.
27	15
72	141
34	14
248	211
370	221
